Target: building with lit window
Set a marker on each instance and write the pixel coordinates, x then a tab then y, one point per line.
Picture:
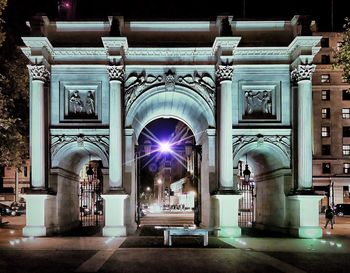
331	125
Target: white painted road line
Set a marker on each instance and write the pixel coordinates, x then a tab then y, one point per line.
96	261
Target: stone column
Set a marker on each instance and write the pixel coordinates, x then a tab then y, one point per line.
114	198
302	74
302	207
224	77
225	203
39	75
116	77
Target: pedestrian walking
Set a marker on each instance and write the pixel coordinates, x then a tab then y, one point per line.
329	217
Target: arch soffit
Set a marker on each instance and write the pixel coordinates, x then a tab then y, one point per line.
183	104
72	157
263	157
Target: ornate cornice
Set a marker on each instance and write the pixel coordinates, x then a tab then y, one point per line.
59	141
115	43
170	52
282	142
116	72
39	72
203	84
303	72
80	51
224	73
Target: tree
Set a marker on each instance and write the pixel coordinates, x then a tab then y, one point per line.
342	56
14	117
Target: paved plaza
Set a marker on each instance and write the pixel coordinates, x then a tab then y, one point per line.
138	253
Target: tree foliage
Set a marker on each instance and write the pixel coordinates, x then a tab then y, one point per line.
14	117
342	56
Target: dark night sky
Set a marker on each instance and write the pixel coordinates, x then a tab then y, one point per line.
21	10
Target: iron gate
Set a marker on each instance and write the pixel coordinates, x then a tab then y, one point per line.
246	204
91	203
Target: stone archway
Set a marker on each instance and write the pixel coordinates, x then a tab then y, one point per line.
271	165
182	104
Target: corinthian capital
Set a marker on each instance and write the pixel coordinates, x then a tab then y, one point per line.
303	72
224	73
116	72
39	72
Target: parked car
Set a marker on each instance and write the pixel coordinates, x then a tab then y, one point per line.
18	208
342	209
5	209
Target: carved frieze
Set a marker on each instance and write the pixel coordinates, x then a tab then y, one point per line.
224	73
59	141
258	102
136	84
283	142
39	72
303	72
116	72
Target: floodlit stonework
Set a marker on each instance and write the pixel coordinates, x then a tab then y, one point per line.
244	98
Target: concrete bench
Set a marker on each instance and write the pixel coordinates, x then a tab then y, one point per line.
184	231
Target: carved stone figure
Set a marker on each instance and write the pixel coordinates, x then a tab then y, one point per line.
250	102
266	103
76	102
90	103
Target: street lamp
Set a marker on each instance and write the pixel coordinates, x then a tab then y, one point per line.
246	172
147	144
90	174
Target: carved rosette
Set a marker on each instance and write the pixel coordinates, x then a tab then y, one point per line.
116	72
282	142
39	72
224	73
303	72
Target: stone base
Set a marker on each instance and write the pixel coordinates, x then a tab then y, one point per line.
229	232
114	215
116	231
29	231
303	216
307	232
226	215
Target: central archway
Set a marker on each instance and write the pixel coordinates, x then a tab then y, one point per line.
182	104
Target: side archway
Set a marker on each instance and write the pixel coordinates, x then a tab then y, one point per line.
272	173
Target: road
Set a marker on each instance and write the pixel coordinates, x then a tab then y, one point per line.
246	254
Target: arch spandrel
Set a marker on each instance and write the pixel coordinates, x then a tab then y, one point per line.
182	103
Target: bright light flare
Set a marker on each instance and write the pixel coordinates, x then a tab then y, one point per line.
164	147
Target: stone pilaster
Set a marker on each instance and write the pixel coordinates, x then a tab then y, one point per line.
39	75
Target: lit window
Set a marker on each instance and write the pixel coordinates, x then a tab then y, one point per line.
325	78
326	113
326	94
346	149
339	45
326	167
346	168
326	131
345	113
346	94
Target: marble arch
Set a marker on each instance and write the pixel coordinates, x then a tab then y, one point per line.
234	89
